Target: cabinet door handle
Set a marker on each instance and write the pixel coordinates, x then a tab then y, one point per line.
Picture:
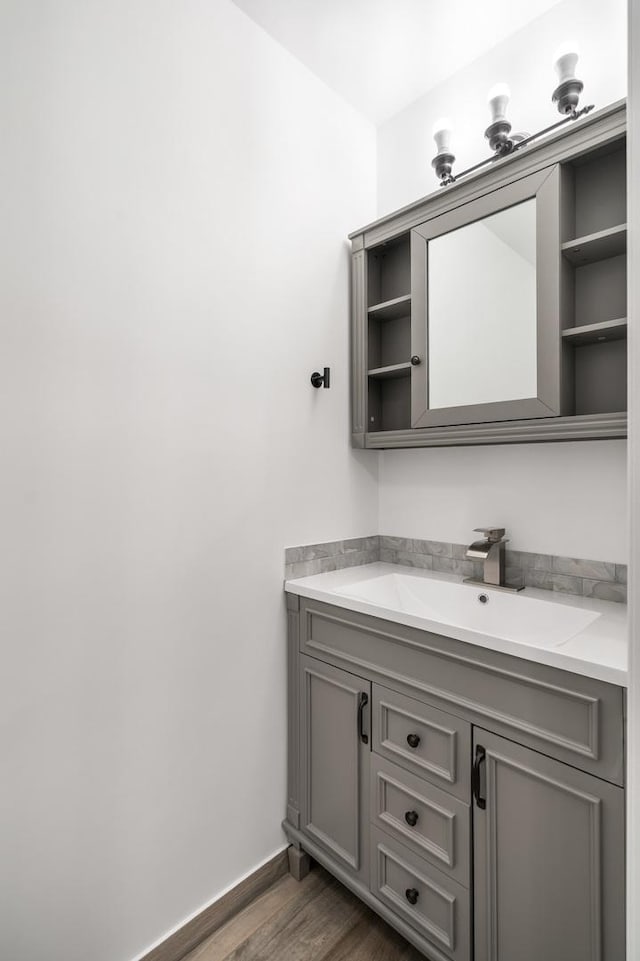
411	817
413	740
480	758
412	895
362	703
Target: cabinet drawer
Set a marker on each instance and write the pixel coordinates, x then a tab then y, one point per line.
437	906
435	825
429	742
578	720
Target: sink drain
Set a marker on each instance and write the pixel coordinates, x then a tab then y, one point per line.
483	598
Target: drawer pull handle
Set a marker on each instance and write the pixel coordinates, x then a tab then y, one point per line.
412	895
363	700
476	777
411	817
413	740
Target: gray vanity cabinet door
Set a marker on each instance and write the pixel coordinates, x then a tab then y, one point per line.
335	721
549	858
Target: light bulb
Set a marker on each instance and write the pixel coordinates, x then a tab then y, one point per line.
442	130
498	98
565	60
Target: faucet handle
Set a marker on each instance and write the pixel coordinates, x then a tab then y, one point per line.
493	534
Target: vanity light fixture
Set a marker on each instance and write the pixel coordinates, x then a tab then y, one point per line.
497	133
444	160
567	93
566	96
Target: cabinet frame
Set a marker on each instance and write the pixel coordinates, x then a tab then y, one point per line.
544	187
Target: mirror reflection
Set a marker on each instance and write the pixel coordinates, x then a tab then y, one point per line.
482	310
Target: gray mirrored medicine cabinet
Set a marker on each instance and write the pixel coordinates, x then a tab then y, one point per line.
494	310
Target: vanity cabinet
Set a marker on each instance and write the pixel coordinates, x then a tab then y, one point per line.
473	799
494	310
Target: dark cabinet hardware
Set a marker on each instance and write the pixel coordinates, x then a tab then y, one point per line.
321	380
362	703
415	360
413	740
476	777
411	817
412	895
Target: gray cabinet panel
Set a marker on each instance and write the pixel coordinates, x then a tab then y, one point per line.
586	427
358	349
293	713
334	762
549	860
435	825
431	743
434	904
575	719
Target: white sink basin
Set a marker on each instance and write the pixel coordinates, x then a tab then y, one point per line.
511	617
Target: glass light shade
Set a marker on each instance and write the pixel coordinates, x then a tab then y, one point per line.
498	98
565	60
442	130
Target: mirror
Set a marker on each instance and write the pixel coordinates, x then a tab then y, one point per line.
482	310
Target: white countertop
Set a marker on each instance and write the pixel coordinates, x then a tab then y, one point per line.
599	650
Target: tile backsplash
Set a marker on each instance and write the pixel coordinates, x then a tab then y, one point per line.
331	556
567	575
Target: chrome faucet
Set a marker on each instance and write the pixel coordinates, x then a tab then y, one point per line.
491	552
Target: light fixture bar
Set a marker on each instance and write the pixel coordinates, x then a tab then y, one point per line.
566	96
517	145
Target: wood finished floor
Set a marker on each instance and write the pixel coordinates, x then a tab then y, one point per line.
316	919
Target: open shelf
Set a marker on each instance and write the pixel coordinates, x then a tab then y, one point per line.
598	246
393	370
389	270
391	309
600	372
389	402
596	333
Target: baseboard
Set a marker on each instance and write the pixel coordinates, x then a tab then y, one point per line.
197	928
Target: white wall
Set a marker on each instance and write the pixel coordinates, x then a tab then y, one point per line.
176	190
554	498
524	61
567	499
